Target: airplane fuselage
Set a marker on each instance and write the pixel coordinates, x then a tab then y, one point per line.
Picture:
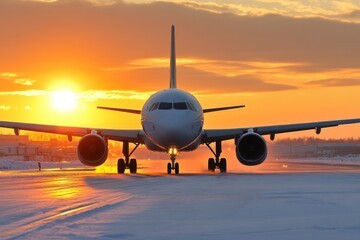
172	118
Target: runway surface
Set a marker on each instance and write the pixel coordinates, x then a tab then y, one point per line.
298	201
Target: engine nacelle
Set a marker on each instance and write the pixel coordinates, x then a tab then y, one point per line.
251	149
92	150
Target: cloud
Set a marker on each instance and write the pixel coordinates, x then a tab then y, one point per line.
27	93
8	75
91	95
164	62
352	16
26	82
101	34
221	8
235	76
272	51
332	10
211	76
334	82
225	68
16	78
208	82
114	94
5	107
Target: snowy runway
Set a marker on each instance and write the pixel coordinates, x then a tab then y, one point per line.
82	204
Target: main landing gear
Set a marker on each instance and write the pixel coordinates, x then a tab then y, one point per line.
173	166
127	162
218	162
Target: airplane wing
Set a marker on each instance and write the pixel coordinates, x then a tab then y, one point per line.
134	111
221	108
226	134
133	136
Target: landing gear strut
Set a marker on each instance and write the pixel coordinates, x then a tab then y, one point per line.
218	162
173	166
127	162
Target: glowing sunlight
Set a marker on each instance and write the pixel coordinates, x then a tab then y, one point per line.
64	100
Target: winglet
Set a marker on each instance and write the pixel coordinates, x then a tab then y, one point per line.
173	59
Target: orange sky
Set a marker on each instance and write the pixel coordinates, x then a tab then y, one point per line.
286	66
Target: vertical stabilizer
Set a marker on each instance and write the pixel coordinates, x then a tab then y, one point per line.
173	59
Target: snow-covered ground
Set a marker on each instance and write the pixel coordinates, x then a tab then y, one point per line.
18	163
338	160
83	204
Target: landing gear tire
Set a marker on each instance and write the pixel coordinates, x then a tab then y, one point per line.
133	165
121	166
169	168
211	165
222	165
176	168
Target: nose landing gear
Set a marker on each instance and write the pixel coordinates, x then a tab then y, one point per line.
173	166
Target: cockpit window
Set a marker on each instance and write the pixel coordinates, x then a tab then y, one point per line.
180	106
165	106
191	106
169	105
154	106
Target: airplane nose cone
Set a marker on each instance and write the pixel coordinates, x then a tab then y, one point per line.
173	129
175	135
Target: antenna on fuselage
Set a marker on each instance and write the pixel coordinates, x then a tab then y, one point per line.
173	59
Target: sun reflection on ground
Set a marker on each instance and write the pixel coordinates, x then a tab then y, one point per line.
63	188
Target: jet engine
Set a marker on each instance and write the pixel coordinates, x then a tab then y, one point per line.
251	149
92	150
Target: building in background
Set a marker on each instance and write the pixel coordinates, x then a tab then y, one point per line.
45	150
299	148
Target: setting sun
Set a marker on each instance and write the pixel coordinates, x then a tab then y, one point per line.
64	100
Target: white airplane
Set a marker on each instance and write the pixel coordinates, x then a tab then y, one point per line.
172	121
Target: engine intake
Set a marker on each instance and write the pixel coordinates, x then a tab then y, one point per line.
251	149
92	150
